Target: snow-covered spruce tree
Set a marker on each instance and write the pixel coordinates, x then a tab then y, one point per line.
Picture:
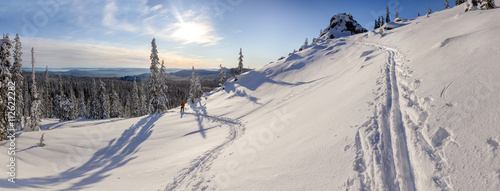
18	79
58	98
240	62
222	75
135	102
458	2
154	83
48	109
103	111
446	4
192	98
5	77
66	106
143	103
116	109
94	104
387	16
162	97
35	100
430	11
72	97
195	90
127	111
418	15
377	25
82	108
27	104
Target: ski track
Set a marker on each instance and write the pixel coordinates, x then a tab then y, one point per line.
193	177
390	144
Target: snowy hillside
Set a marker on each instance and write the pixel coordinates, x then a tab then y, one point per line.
414	109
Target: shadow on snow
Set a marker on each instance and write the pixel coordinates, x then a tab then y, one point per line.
117	153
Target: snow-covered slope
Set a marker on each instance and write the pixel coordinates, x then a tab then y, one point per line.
414	109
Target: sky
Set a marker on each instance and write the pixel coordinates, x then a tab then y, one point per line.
199	33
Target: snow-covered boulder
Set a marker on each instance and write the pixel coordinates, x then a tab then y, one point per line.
471	5
342	25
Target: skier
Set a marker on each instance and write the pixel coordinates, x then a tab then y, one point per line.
182	106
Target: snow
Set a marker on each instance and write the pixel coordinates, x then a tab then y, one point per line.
414	109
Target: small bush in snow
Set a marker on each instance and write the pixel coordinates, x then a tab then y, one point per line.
41	144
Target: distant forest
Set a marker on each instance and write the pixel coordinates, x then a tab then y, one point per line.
178	90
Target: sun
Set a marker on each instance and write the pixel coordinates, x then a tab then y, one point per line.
190	32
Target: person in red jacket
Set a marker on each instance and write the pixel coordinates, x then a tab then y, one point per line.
182	106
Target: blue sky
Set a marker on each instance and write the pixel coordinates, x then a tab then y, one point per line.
200	33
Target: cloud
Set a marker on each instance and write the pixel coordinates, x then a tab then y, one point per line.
110	20
59	54
167	22
192	26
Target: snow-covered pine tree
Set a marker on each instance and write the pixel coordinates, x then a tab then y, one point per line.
27	104
5	77
377	25
72	97
95	104
18	79
163	100
66	109
240	62
116	109
154	87
192	98
222	76
46	95
58	98
82	108
127	112
67	106
306	43
143	104
430	11
458	2
446	4
195	90
418	15
135	101
387	16
35	100
103	111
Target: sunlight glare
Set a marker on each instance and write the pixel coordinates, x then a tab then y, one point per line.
190	32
